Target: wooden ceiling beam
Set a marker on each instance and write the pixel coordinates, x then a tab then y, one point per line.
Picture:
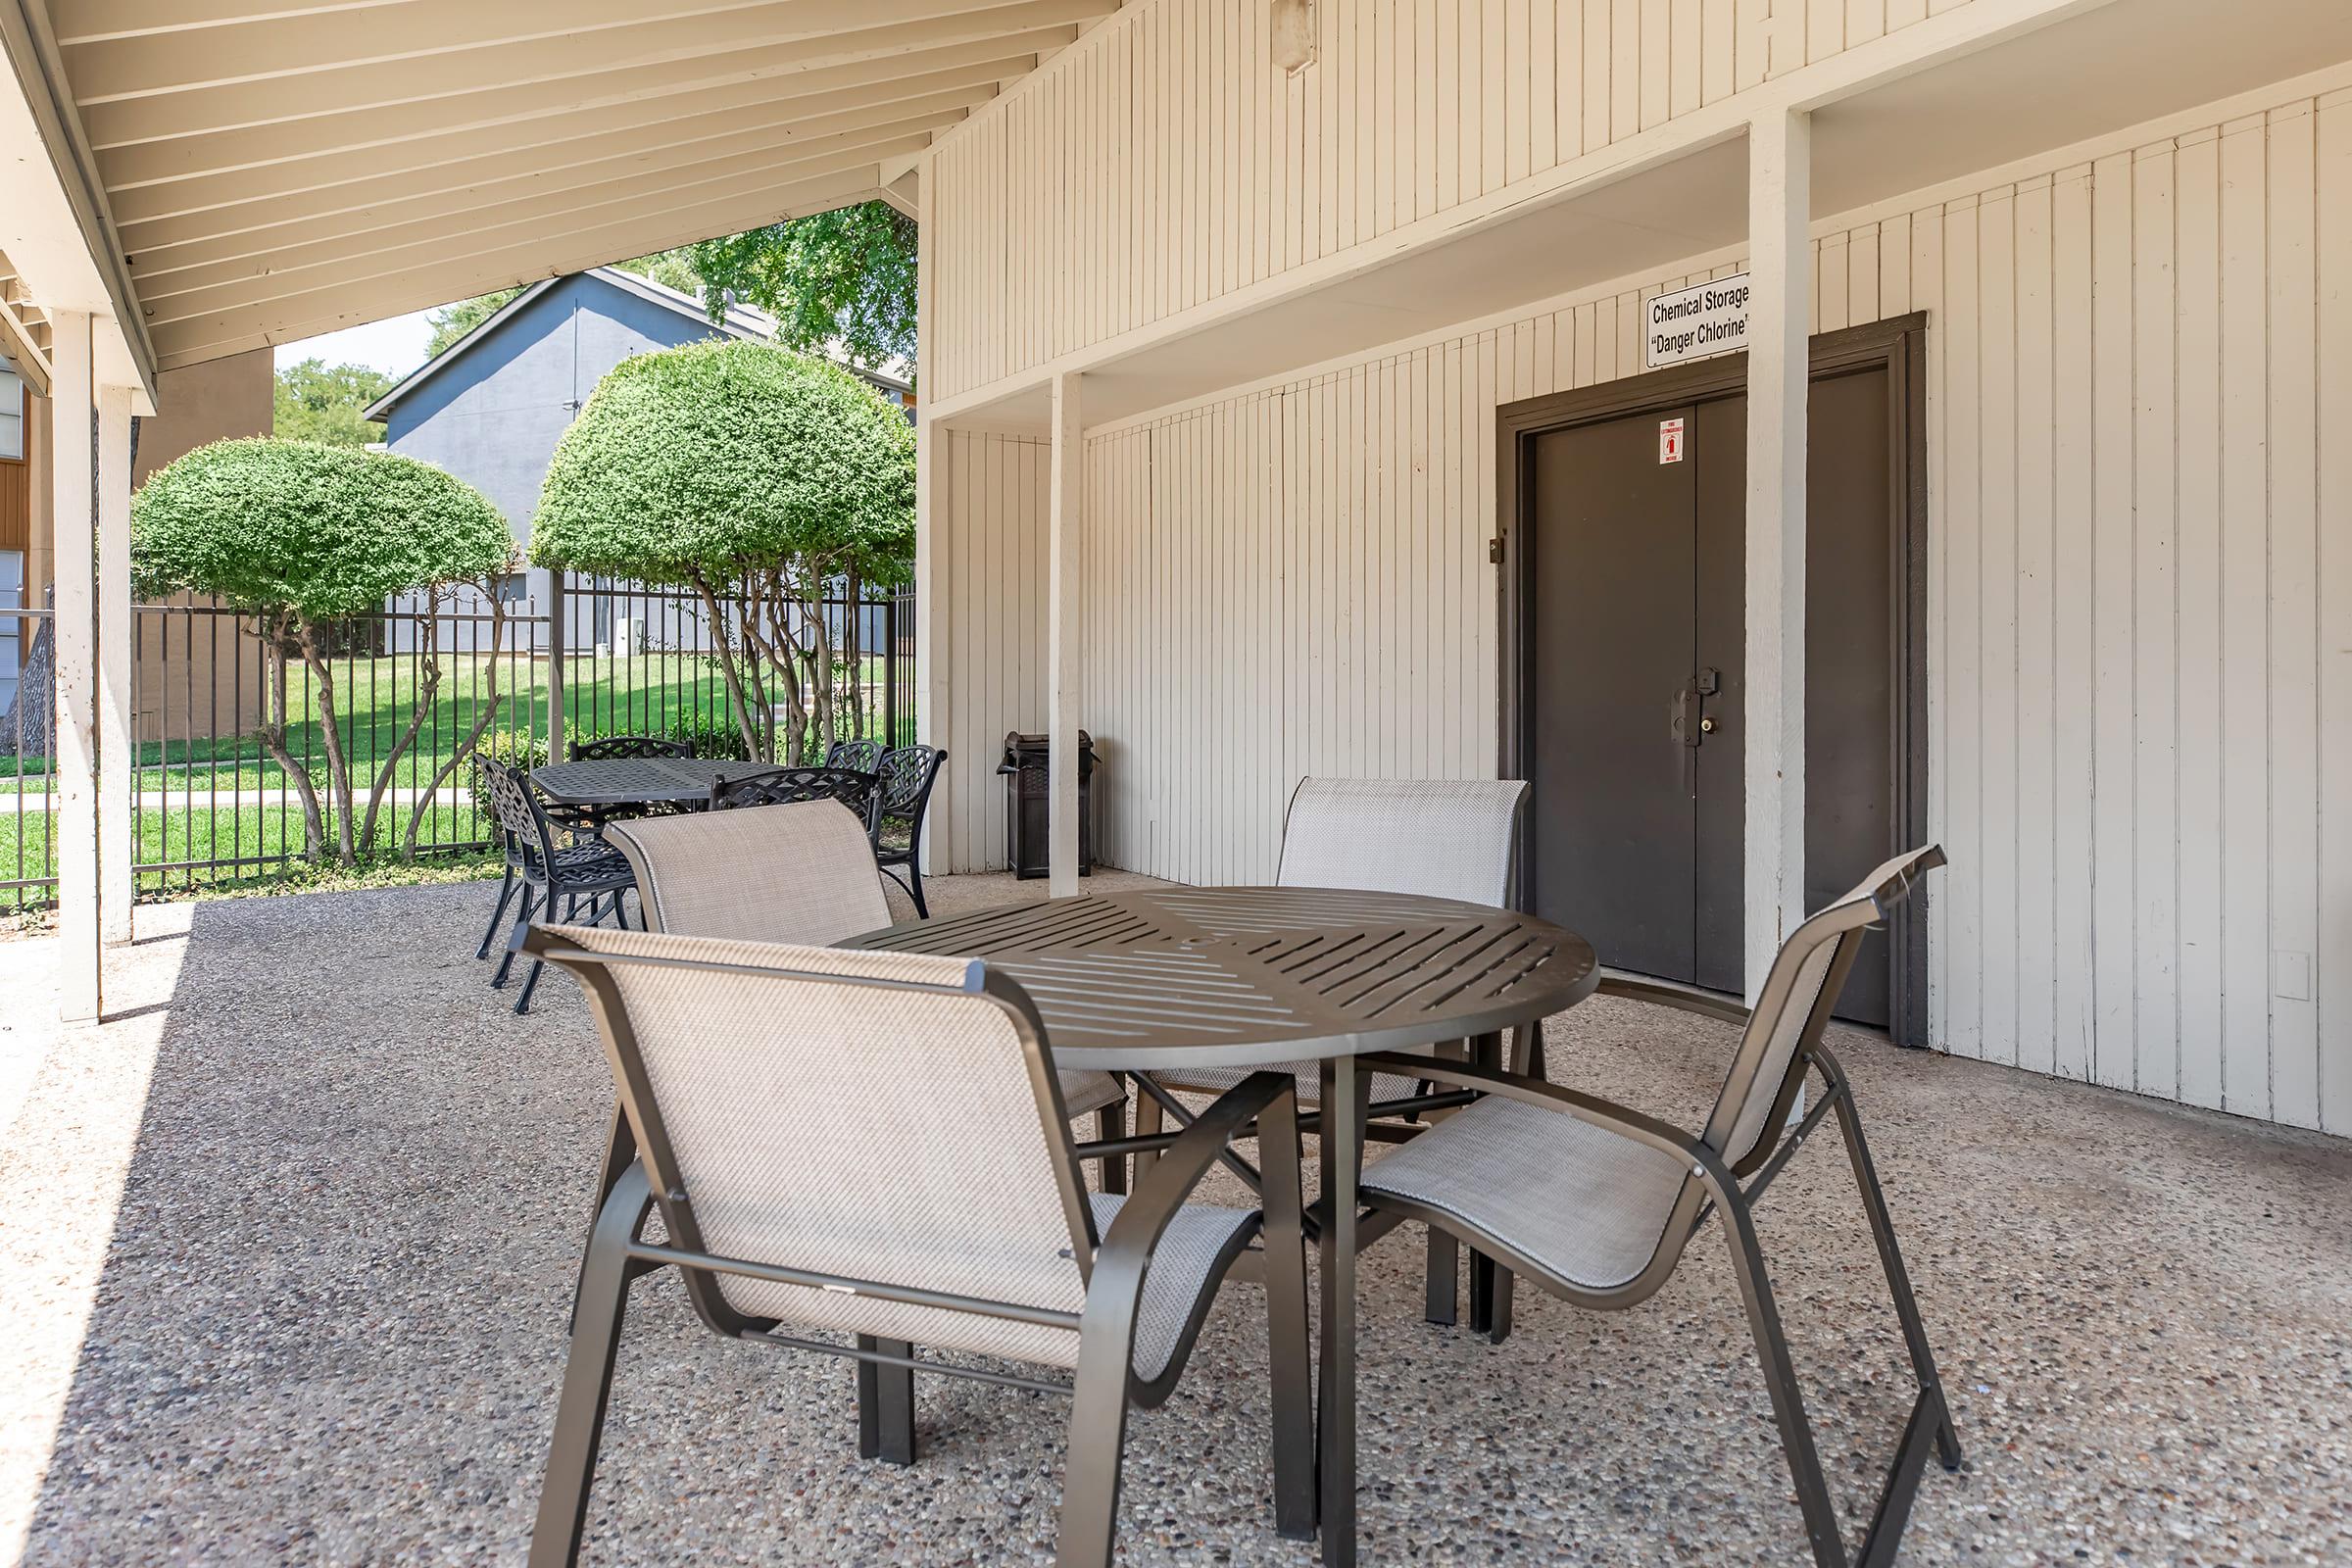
292	317
736	184
823	32
152	218
416	34
790	163
316	151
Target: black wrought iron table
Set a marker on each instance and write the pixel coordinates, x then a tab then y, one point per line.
1241	977
637	780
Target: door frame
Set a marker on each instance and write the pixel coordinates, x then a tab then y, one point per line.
1898	346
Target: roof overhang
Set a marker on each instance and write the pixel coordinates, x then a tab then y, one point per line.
255	171
58	242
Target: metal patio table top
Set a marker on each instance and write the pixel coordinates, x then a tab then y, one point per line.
637	780
1191	977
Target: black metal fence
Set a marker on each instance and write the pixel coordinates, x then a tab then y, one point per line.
412	694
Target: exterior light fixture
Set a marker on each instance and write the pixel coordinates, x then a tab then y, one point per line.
1294	33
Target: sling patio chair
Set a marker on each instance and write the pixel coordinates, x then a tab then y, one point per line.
553	877
901	796
799	1191
1442	838
1596	1203
799	872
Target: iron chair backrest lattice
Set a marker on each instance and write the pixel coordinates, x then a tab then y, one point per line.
799	872
523	822
903	787
605	748
802	1184
860	755
783	786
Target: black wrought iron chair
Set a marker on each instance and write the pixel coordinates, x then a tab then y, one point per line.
902	796
799	1191
590	819
554	876
787	786
861	756
1596	1203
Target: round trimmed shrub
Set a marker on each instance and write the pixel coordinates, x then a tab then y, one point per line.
320	532
696	464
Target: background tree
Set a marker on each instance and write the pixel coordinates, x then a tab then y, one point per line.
841	280
452	321
301	537
766	482
322	401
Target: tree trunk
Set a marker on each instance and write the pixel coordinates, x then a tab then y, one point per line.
474	737
338	765
273	736
728	665
428	686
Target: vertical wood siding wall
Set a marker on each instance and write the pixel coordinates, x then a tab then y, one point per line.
2141	639
993	563
1163	160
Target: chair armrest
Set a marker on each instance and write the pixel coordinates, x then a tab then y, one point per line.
1620	1119
1682	998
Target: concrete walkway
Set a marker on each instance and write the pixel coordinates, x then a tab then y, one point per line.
293	1238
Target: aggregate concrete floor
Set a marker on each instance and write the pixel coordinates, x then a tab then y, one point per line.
285	1277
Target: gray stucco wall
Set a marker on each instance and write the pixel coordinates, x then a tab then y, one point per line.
493	416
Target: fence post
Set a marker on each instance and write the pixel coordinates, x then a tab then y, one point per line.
555	665
890	671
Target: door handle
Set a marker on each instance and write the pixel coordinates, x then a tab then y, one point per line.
1684	722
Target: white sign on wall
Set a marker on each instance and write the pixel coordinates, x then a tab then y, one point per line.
1691	323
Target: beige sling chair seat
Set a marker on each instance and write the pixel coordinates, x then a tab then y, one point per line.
1596	1203
805	1187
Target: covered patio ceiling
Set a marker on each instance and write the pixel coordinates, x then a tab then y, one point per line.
275	169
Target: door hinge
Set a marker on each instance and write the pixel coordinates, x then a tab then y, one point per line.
1494	551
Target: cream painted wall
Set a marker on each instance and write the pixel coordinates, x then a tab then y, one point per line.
1162	161
2140	657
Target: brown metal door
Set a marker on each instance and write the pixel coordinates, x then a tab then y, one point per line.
1849	670
1640	589
1610	633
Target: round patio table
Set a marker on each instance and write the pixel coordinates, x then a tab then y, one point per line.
637	780
1245	977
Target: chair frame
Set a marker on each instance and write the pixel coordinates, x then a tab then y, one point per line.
532	864
790	786
1113	1266
856	757
1732	1189
912	858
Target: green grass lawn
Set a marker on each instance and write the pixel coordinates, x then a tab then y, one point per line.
648	694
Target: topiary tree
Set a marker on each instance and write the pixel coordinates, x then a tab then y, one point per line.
762	479
302	537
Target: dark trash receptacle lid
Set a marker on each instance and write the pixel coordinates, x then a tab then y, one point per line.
1029	751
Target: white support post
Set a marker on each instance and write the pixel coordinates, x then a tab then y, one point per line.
933	670
115	740
1061	637
81	959
1778	362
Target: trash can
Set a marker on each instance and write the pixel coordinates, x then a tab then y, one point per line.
1028	802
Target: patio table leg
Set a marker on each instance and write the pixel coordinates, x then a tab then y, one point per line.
1490	1281
1345	1092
